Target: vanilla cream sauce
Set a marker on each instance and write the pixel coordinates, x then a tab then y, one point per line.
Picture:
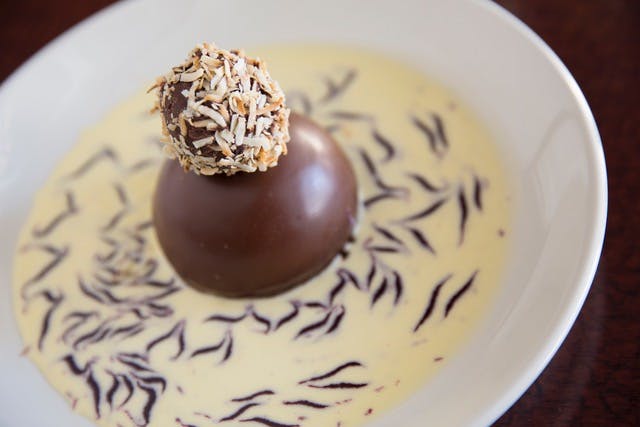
113	329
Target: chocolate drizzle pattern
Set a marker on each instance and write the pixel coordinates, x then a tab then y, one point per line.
337	85
69	210
130	325
434	133
432	302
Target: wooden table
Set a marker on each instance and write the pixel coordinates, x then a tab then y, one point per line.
594	380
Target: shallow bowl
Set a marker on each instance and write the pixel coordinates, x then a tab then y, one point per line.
514	82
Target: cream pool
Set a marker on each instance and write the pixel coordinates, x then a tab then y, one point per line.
117	333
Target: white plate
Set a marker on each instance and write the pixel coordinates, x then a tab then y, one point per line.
495	63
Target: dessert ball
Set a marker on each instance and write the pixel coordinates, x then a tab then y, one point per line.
222	113
254	201
257	234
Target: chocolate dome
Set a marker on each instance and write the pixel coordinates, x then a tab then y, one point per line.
257	234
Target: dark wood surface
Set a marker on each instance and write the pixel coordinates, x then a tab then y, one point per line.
594	380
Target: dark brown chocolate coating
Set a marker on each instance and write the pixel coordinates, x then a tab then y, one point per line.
176	103
257	234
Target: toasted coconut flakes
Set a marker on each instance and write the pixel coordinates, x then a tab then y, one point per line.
222	87
227	135
234	123
160	81
267	144
239	165
245	82
213	98
218	137
241	102
262	99
267	109
263	81
191	99
245	167
193	76
206	170
227	69
254	141
211	63
202	123
199	143
208	75
240	67
262	123
224	113
216	79
213	114
240	130
232	97
233	103
251	121
224	145
182	124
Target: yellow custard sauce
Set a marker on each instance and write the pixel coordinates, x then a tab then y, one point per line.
115	331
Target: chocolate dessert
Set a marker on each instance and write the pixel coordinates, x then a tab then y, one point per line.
244	218
119	238
256	234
